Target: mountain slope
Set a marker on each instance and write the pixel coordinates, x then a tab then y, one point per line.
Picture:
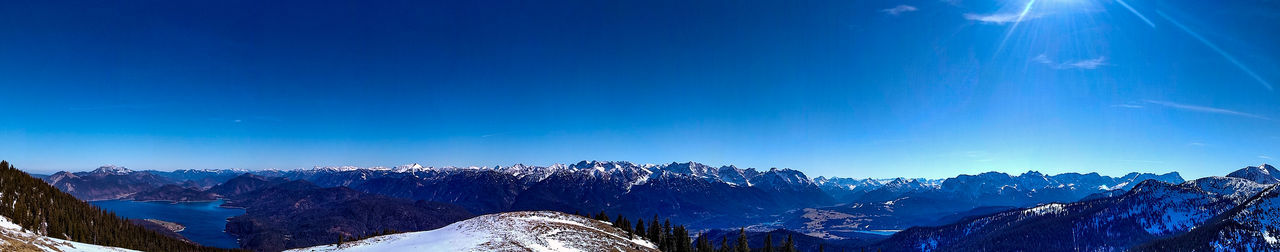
300	214
14	238
1251	226
1151	210
513	231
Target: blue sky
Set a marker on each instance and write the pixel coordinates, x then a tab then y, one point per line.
844	88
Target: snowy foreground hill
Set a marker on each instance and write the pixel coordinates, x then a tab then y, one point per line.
513	231
14	238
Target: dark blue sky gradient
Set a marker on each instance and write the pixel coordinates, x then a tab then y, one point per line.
828	87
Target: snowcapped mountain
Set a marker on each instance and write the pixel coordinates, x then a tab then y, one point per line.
1265	174
901	203
106	182
112	169
1252	226
14	238
1150	210
513	231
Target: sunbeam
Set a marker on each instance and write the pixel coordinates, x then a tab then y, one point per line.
1135	12
1217	49
1021	15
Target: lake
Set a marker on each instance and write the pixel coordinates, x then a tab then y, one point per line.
205	221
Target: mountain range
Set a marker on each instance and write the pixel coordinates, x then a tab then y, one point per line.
1142	208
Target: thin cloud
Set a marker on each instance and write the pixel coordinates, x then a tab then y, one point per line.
997	18
1128	106
1204	109
1042	59
1093	63
1086	64
1195	144
1265	157
899	9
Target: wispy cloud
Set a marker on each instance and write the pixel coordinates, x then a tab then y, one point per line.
1093	63
1204	109
1086	64
1127	105
899	9
998	18
1195	144
1264	157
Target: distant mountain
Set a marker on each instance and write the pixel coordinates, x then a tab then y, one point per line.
842	189
1150	210
901	203
688	192
202	179
106	182
300	214
513	231
174	193
242	184
1265	174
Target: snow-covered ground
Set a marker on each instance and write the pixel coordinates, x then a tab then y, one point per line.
13	238
514	231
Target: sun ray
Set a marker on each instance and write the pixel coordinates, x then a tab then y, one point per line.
1215	48
1135	12
1021	15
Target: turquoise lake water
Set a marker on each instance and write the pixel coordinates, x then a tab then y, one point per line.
205	221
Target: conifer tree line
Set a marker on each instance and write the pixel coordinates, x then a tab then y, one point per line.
676	238
41	208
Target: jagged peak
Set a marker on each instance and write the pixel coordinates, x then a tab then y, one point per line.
112	169
1031	173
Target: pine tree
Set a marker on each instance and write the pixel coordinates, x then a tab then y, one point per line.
668	240
640	228
704	245
655	231
742	241
768	242
789	245
724	244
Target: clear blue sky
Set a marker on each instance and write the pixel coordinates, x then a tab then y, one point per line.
845	88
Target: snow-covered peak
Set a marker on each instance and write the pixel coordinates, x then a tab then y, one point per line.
1264	173
410	168
112	169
